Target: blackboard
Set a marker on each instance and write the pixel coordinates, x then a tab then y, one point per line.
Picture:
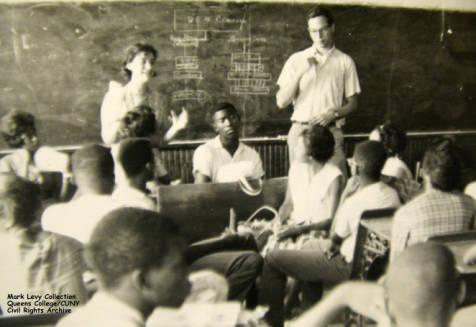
416	67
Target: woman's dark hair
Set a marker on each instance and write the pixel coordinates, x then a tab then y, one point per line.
139	122
393	139
441	163
14	124
319	142
133	51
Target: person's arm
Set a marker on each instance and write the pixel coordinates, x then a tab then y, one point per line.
469	256
201	178
334	114
110	114
286	207
288	81
400	235
202	165
364	298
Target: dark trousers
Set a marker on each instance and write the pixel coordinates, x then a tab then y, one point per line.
308	265
234	257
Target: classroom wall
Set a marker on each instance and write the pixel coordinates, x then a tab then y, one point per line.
416	67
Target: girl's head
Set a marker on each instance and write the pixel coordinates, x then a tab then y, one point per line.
139	62
19	131
316	142
393	139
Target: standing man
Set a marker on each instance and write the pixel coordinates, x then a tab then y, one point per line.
322	84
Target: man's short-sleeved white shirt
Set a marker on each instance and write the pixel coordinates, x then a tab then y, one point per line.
322	87
374	196
128	196
78	217
213	160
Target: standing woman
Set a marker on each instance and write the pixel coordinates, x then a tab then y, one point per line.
120	99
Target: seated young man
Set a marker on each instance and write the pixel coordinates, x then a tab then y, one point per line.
34	261
30	159
138	256
136	159
412	294
225	158
440	209
329	259
93	173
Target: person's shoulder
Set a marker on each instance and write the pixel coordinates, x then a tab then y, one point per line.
115	86
53	212
250	151
332	170
342	57
61	242
416	204
301	54
205	148
83	316
248	147
341	54
468	201
115	89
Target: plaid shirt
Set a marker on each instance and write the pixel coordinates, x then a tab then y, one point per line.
429	214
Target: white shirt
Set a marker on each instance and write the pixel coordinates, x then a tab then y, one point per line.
78	217
213	160
130	197
103	310
470	190
117	102
310	191
322	87
375	196
395	167
45	159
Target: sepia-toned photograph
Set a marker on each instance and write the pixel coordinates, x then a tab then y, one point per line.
226	163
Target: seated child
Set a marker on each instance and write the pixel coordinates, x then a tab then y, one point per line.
395	171
34	261
30	160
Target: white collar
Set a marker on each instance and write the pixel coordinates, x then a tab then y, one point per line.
104	299
218	145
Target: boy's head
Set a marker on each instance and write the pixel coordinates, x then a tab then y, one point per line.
137	159
19	131
93	169
422	285
441	165
369	158
20	200
226	121
139	254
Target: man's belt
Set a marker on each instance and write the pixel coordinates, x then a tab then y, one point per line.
306	123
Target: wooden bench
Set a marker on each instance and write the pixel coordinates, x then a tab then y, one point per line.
203	210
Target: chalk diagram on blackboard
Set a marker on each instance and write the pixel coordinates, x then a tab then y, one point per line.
191	27
248	74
